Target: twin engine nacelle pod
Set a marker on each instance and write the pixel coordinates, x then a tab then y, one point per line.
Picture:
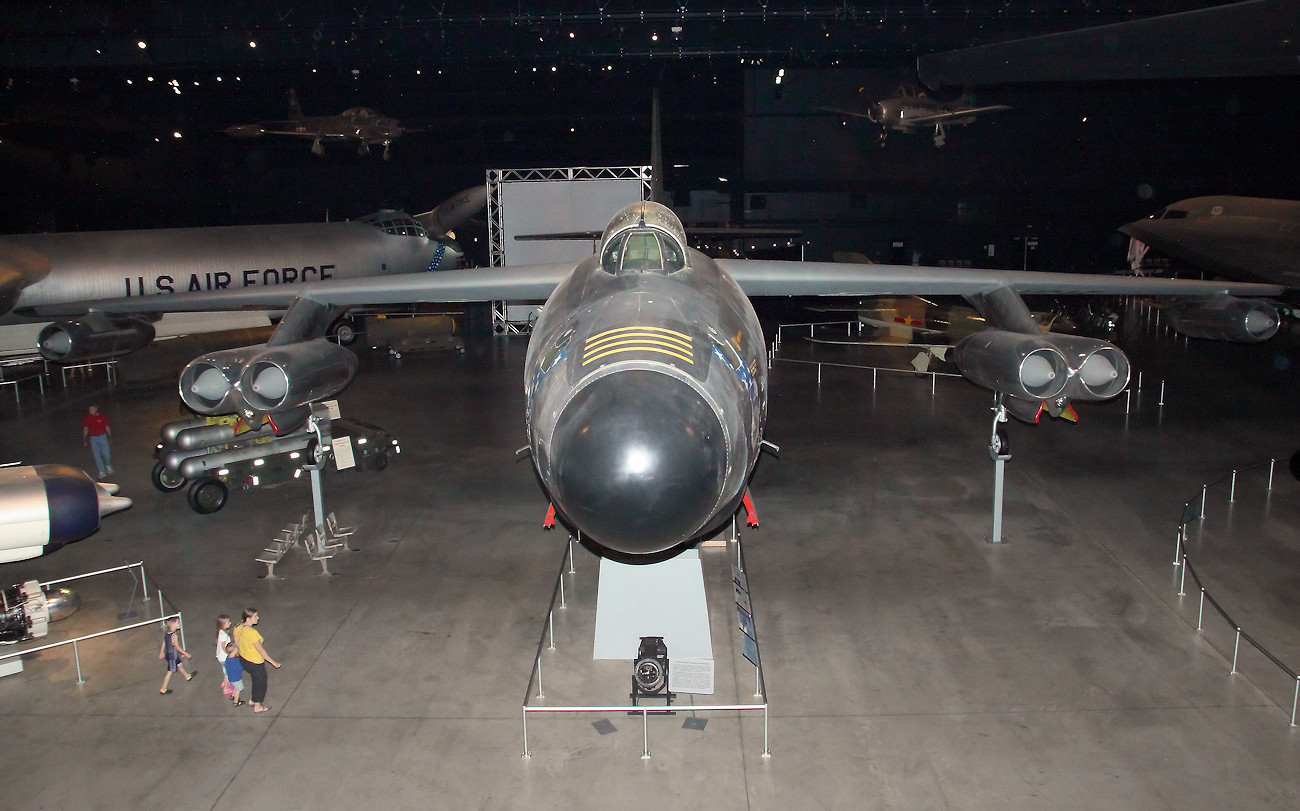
1043	367
266	379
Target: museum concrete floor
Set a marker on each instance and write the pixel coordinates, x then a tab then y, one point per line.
908	663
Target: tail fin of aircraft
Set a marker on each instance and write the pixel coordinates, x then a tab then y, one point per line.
656	151
455	211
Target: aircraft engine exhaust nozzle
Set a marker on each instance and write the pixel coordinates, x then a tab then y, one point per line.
285	377
1024	366
640	461
208	383
1226	318
1101	370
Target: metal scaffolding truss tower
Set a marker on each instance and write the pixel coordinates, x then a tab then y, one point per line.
496	181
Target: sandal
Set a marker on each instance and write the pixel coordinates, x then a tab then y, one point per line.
265	708
191	677
240	703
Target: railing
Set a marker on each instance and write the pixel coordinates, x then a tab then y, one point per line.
1181	558
76	653
548	632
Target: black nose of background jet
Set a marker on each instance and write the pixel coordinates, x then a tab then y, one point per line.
640	459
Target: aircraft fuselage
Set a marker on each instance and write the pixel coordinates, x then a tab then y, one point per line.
646	397
97	265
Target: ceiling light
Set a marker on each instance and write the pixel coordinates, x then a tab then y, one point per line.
141	45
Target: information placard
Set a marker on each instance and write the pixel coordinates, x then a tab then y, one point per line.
343	458
746	623
690	675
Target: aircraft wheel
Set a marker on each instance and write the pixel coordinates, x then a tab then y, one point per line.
166	479
207	495
1000	447
379	461
344	330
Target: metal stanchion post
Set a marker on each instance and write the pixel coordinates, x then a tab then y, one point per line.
77	656
1232	490
1200	612
1236	646
526	753
540	694
645	735
550	624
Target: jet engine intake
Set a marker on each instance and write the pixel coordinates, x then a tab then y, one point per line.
1099	370
208	383
1024	366
93	339
293	375
1225	318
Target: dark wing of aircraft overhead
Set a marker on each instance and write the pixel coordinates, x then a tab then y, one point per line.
842	111
1255	38
953	112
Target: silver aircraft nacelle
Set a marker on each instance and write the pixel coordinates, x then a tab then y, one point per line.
290	376
1225	318
208	383
71	341
1025	366
1098	370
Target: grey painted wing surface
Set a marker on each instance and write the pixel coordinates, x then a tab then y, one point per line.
755	277
528	283
783	278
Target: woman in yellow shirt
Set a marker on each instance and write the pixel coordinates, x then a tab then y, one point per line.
254	657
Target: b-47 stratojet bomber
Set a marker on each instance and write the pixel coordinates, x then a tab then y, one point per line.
646	374
104	292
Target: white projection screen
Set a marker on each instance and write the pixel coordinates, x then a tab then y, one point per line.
559	206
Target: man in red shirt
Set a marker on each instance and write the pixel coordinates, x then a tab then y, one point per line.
96	433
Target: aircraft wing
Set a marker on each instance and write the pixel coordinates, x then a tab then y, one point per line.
952	114
756	277
759	277
527	283
842	111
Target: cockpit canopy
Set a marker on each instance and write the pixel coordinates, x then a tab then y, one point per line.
398	223
644	237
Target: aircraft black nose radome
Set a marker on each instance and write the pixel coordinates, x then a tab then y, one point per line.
641	458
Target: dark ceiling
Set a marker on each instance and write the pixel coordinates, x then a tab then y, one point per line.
97	131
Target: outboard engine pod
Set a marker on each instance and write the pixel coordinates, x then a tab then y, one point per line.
1100	370
72	341
292	375
1025	366
1225	318
208	383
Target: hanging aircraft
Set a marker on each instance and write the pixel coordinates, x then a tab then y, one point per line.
69	277
360	124
646	373
1252	238
910	110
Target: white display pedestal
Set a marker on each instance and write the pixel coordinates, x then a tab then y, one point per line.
657	599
